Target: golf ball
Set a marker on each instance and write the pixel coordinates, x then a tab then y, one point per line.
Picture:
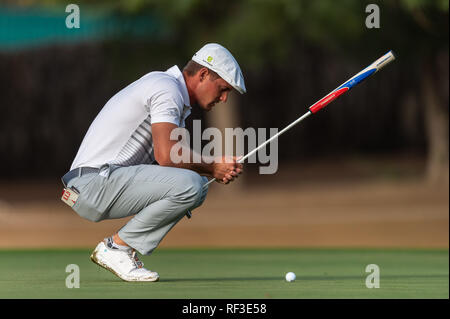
290	276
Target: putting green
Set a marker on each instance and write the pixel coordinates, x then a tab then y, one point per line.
232	273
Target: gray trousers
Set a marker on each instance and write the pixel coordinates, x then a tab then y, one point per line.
157	196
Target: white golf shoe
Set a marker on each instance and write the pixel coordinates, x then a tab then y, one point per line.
124	264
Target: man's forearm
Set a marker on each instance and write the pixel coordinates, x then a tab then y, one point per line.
188	159
203	169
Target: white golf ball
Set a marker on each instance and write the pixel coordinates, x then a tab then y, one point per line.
290	276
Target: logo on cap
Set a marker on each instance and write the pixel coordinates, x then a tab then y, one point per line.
209	59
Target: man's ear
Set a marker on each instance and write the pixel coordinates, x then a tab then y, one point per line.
202	74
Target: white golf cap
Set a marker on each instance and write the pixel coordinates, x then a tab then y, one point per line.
218	59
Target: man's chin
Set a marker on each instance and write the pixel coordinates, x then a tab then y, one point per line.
207	107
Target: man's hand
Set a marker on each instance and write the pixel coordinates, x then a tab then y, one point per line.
226	169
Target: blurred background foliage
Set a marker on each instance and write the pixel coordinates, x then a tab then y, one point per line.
292	52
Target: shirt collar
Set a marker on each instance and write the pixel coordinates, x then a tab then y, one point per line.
175	72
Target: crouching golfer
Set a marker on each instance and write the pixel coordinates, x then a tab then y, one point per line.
115	173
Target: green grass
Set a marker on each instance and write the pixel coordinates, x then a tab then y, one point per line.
229	273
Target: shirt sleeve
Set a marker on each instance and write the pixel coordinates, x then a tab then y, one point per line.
166	106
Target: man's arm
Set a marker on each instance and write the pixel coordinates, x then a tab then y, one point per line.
223	171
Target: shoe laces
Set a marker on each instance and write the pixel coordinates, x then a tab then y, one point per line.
135	259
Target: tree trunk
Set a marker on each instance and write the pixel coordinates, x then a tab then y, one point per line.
435	99
221	117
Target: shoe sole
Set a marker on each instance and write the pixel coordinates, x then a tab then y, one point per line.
101	264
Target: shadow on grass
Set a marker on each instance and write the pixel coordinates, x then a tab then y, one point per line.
304	278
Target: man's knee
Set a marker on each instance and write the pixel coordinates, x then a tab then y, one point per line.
192	188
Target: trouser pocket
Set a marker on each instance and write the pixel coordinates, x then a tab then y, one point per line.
87	205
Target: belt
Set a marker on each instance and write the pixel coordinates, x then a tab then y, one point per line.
77	172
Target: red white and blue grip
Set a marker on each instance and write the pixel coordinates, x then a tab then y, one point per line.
361	76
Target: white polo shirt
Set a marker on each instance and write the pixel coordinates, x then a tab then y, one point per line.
121	133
